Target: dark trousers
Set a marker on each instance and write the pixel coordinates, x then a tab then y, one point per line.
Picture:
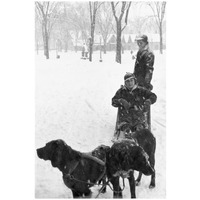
148	118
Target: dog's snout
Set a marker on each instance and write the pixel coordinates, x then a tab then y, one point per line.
39	152
150	171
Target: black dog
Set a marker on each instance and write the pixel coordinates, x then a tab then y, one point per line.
147	141
80	170
124	157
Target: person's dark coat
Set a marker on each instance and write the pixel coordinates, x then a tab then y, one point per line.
135	114
143	70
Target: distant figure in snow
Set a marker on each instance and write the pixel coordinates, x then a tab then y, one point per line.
132	102
84	51
143	69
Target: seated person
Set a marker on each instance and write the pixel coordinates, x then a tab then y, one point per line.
133	102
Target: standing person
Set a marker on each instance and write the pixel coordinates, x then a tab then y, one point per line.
86	51
83	51
143	70
144	67
132	102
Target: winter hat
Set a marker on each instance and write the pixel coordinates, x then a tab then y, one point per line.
142	37
128	76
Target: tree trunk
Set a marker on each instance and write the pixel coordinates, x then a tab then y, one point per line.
44	43
118	44
90	49
66	46
161	39
91	42
104	48
122	47
45	39
37	47
47	43
75	47
104	45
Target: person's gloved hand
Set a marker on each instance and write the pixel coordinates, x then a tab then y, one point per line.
147	103
148	77
125	104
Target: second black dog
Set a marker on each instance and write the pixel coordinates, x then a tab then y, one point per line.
147	141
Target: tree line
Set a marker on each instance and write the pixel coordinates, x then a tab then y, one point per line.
90	17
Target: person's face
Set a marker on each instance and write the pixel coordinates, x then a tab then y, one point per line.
130	83
141	44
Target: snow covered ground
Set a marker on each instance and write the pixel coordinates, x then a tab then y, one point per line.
73	103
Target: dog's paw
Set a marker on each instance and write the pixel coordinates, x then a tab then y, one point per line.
151	186
88	193
137	183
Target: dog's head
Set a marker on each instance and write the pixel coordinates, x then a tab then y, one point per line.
125	127
125	130
58	152
101	152
126	155
141	161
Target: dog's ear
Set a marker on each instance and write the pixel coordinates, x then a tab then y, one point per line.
56	158
104	148
140	161
107	150
135	156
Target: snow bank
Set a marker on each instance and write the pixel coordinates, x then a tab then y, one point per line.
73	103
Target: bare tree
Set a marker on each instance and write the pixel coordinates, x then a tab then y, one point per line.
77	18
37	33
104	21
122	11
142	24
47	13
158	9
93	7
62	28
138	24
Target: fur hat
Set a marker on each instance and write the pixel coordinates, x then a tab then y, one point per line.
128	76
142	37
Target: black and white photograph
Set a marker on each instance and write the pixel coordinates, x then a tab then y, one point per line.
100	99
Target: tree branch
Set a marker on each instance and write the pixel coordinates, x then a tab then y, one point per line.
114	12
154	13
122	10
127	11
163	10
47	9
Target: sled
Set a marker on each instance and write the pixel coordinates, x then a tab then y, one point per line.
119	124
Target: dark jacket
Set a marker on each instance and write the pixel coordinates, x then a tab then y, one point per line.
135	114
144	67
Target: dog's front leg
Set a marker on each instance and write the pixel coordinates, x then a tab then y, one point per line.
131	180
153	176
137	181
103	188
117	191
76	194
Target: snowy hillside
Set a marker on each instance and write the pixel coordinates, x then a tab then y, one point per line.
73	103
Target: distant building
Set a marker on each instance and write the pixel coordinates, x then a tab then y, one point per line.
154	41
74	41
